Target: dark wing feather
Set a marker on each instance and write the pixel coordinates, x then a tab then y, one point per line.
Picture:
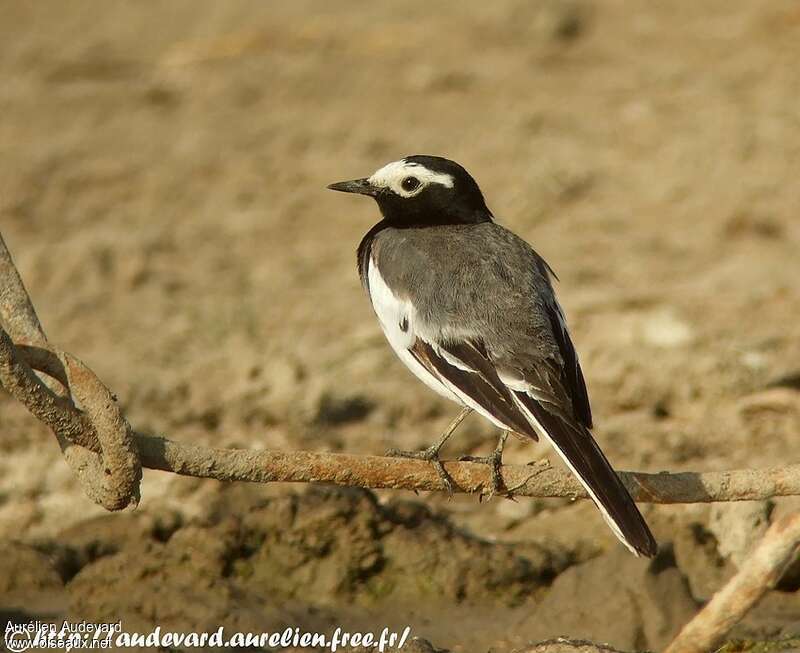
477	378
570	372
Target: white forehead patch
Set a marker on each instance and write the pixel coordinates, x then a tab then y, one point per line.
392	175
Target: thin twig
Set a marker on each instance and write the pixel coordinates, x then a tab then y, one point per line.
759	573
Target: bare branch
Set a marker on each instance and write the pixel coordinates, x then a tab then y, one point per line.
96	441
121	469
44	360
58	413
759	573
379	472
16	308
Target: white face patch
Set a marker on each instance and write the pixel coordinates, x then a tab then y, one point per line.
393	174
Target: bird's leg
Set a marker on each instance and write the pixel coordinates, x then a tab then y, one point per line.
431	454
495	462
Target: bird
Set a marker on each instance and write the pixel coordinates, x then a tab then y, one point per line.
469	307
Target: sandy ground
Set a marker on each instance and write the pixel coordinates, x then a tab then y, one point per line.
162	187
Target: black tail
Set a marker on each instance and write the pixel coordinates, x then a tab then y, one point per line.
577	447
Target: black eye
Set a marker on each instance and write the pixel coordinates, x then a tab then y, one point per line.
410	184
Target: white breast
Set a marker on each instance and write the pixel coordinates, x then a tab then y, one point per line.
398	320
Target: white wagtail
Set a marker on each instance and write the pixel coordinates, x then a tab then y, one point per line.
469	307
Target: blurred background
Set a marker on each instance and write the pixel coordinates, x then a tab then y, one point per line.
162	188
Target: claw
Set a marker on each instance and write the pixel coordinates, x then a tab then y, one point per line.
431	455
495	462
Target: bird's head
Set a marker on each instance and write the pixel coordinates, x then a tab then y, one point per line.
422	191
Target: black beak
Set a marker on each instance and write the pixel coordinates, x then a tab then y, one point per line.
360	186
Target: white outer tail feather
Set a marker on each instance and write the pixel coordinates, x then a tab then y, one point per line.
609	520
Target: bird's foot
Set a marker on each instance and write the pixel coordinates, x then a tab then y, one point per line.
431	455
495	462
